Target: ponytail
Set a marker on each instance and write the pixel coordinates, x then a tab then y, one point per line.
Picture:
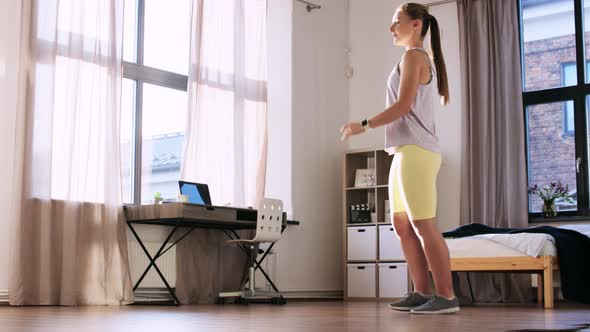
418	11
439	61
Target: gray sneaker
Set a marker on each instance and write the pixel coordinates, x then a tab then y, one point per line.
412	300
438	305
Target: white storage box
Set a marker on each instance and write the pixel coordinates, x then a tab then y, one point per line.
393	279
389	246
362	243
361	280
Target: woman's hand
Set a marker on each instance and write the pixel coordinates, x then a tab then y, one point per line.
350	129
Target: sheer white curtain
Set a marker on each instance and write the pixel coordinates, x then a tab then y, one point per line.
226	134
70	245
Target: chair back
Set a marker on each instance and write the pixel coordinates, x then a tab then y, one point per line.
269	221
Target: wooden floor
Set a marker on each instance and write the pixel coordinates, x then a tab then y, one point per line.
295	316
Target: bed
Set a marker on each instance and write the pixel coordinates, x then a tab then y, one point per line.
530	253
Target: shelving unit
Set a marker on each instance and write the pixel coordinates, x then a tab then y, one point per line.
374	266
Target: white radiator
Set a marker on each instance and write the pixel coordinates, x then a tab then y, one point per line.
167	264
138	262
3	296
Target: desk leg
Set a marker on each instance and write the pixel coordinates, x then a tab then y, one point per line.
268	279
262	259
153	261
259	267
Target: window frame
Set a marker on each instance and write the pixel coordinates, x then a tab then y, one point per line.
140	73
578	94
567	132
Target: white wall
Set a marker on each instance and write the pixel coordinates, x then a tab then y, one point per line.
9	60
309	257
373	56
448	120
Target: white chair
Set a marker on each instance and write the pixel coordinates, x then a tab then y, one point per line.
269	223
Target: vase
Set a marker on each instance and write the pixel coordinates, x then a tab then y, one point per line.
549	208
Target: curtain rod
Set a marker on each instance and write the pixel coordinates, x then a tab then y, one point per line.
436	3
310	6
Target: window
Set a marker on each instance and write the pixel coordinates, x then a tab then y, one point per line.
154	96
555	77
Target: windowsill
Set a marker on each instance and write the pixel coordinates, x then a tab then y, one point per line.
539	220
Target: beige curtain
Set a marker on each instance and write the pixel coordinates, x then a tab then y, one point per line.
226	135
494	185
70	244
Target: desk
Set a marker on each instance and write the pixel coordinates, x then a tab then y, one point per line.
191	216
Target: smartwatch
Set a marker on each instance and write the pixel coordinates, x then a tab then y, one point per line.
365	124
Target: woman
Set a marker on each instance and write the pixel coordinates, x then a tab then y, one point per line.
412	89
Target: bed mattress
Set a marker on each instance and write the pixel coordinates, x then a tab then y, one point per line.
507	245
483	246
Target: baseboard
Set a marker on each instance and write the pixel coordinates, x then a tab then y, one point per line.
161	294
334	295
3	296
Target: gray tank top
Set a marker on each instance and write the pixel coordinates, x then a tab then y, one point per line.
417	126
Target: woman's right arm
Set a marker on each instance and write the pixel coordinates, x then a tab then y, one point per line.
410	69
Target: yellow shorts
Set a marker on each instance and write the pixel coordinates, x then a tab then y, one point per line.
412	181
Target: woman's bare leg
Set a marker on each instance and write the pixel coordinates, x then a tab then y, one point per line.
413	252
437	254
